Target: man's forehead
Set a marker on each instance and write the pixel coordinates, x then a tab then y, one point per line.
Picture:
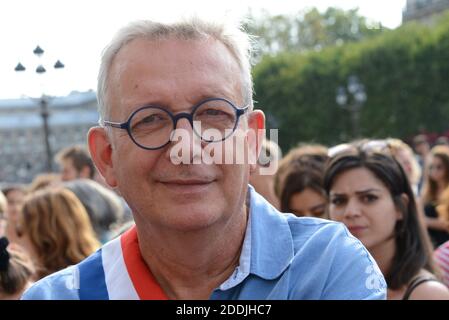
141	49
150	71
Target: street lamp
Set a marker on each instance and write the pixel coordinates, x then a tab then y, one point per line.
43	104
351	98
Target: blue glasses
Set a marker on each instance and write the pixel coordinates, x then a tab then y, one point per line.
152	127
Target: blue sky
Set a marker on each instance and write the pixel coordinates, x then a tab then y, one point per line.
75	31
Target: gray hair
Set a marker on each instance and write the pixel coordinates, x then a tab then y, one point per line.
102	205
230	34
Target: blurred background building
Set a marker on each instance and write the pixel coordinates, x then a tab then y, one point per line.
424	11
22	152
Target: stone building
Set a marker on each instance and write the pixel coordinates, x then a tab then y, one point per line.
22	140
424	11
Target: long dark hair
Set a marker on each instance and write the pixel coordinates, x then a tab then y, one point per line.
413	246
307	173
16	269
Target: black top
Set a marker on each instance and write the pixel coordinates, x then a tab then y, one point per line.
416	282
438	237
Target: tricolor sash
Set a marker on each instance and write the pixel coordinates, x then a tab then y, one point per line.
118	272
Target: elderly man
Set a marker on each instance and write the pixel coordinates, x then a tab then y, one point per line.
201	231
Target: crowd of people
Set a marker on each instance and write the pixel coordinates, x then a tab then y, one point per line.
127	218
56	221
394	199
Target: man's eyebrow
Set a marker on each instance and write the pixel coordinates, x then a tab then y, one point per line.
194	101
214	94
159	103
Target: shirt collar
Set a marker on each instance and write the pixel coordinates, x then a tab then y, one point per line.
271	239
268	244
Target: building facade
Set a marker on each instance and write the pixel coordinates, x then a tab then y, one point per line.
22	140
424	11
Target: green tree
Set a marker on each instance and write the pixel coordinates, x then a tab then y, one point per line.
405	73
309	29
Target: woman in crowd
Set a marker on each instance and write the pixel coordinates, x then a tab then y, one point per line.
56	230
299	181
435	185
15	195
16	271
403	153
370	193
3	216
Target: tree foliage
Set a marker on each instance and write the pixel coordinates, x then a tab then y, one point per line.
405	73
309	29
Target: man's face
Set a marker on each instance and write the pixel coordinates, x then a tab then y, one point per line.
175	74
422	148
68	170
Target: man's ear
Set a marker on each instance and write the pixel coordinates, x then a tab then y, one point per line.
101	152
256	127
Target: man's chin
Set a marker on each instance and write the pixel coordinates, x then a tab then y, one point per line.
187	220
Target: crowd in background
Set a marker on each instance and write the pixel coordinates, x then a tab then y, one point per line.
56	221
393	197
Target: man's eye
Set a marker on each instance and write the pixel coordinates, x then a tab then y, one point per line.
154	119
151	119
213	112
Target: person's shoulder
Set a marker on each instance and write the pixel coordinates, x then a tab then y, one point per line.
61	285
321	232
425	286
301	224
329	238
430	290
335	260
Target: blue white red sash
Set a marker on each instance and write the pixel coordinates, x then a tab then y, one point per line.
118	271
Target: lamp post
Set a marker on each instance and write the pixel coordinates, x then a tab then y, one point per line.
43	104
351	98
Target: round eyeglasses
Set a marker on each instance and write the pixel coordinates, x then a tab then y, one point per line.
152	127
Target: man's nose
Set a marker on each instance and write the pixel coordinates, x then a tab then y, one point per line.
186	145
184	124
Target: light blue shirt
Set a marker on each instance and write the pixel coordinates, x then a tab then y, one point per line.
283	257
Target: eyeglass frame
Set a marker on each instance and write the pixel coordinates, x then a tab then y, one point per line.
175	118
